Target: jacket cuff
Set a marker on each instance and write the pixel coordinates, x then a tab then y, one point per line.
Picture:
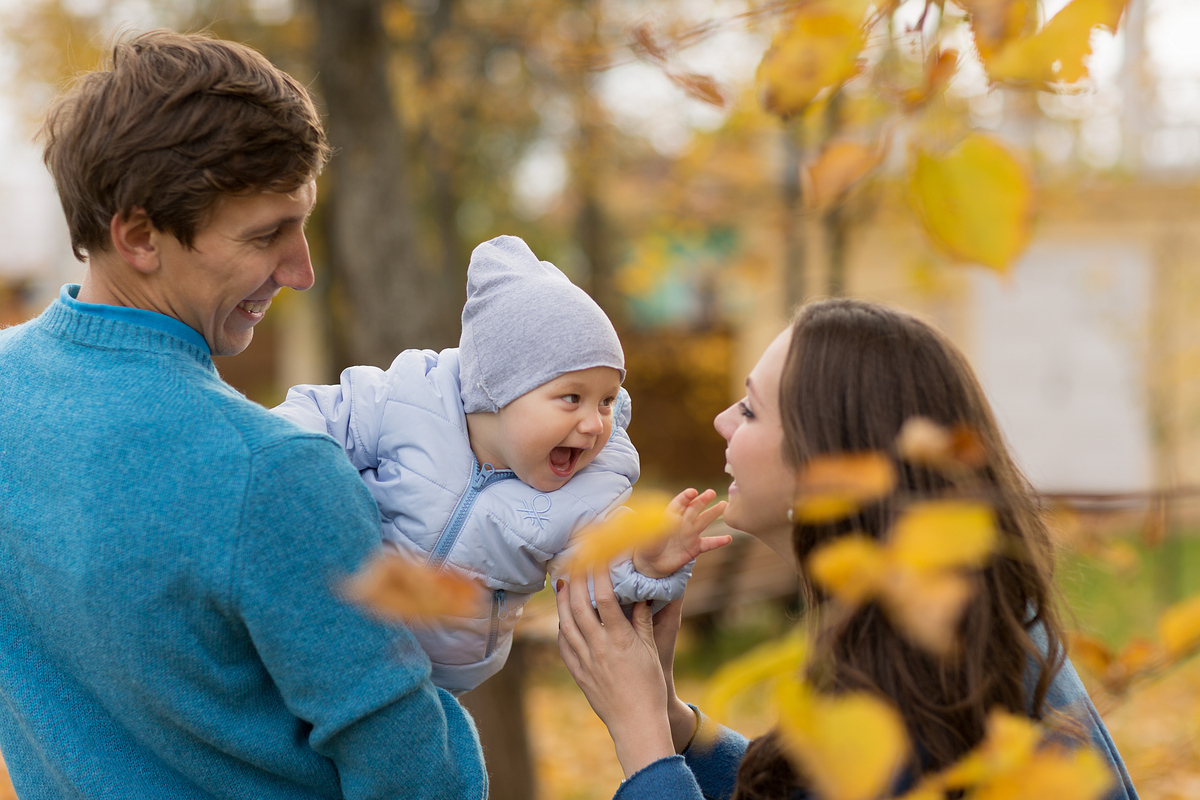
667	777
631	586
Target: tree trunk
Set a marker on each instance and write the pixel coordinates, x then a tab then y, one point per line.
396	296
498	706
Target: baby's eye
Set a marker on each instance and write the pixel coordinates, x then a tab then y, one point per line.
608	401
571	398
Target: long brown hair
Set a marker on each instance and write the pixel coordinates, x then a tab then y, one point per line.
855	372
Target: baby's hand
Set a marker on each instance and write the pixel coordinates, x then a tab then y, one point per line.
667	555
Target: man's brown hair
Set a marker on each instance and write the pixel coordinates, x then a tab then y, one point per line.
170	125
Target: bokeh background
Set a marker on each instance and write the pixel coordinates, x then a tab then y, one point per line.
628	142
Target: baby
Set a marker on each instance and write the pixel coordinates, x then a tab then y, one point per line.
492	456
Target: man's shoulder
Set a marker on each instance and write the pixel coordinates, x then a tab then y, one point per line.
254	425
12	333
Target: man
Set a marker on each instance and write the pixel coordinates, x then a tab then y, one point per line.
170	553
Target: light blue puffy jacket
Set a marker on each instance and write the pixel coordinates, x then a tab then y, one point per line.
406	433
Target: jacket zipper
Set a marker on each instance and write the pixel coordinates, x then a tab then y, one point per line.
499	612
481	478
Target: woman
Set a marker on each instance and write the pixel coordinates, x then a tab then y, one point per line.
844	377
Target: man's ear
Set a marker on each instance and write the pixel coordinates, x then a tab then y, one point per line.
134	240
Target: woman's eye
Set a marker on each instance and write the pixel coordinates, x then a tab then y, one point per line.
746	412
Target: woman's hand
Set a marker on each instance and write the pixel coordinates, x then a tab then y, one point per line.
616	663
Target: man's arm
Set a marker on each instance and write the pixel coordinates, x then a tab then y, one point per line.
363	686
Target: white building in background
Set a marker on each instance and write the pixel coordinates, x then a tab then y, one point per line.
1059	346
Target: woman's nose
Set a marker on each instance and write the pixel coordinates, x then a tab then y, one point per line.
725	423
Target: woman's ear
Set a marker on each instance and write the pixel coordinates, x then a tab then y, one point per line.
133	238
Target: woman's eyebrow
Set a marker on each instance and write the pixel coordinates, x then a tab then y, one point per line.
750	390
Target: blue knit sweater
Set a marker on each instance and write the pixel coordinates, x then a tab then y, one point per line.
169	561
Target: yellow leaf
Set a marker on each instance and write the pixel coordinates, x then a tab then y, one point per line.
944	535
850	568
834	486
1052	773
840	165
927	606
1009	765
1179	627
401	587
781	658
997	22
1091	653
976	201
1056	52
1139	655
922	441
644	520
816	52
940	69
850	745
1009	743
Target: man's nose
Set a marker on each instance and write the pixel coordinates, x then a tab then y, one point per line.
295	269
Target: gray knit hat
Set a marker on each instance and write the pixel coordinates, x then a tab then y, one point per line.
524	324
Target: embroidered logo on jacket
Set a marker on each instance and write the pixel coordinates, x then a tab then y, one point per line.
538	510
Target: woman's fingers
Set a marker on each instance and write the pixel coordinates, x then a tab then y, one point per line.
581	604
606	600
568	631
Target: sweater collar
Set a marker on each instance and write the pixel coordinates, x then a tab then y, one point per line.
121	328
134	316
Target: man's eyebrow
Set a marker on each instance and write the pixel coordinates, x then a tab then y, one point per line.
268	227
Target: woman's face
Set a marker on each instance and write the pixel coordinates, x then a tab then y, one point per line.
763	486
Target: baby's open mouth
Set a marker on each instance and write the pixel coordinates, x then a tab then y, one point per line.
563	460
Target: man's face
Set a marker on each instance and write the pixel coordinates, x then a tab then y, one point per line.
550	433
252	246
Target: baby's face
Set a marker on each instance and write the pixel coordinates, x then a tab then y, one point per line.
550	433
